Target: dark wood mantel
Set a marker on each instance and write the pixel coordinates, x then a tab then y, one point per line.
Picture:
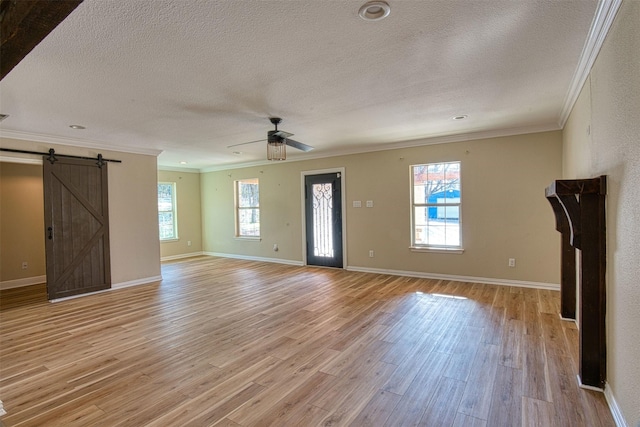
579	209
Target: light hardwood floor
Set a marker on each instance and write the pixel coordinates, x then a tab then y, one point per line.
237	343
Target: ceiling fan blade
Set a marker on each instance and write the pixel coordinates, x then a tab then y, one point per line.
298	145
245	143
283	134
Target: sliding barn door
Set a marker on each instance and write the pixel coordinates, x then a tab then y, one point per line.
76	227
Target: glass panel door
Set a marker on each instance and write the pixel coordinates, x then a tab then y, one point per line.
323	210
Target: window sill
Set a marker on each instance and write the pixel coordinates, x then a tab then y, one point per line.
248	239
169	240
457	251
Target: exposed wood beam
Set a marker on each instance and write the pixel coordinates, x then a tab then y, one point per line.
24	24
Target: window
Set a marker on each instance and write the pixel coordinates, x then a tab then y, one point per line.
436	202
247	208
167	217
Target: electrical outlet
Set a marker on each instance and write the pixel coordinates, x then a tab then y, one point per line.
370	254
188	242
25	265
512	262
275	247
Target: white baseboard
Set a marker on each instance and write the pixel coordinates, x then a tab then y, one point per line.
27	281
614	408
255	258
189	255
81	295
113	287
474	279
136	282
588	387
10	284
490	281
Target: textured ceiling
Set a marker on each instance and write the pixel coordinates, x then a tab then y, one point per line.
192	77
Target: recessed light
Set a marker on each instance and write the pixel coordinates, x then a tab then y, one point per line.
462	117
374	11
237	152
183	163
77	127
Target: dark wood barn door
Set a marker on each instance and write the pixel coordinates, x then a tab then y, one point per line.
77	227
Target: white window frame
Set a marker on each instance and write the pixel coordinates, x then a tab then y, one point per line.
238	208
418	247
173	210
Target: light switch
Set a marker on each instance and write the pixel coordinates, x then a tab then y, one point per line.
357	204
369	203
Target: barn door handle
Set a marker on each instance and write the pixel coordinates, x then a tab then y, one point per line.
50	230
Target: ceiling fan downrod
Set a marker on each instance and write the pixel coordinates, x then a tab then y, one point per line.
275	121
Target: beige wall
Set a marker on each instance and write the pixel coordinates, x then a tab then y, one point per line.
188	212
505	214
21	222
576	147
613	149
133	210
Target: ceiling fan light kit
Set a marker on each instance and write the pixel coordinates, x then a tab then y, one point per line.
276	147
276	150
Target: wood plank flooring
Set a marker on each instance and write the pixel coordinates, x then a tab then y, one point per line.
238	343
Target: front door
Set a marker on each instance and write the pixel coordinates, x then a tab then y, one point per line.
323	217
76	226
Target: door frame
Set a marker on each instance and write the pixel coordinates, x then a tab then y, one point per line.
303	175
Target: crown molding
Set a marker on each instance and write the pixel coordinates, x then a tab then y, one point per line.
216	168
177	169
22	160
444	139
602	21
75	142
